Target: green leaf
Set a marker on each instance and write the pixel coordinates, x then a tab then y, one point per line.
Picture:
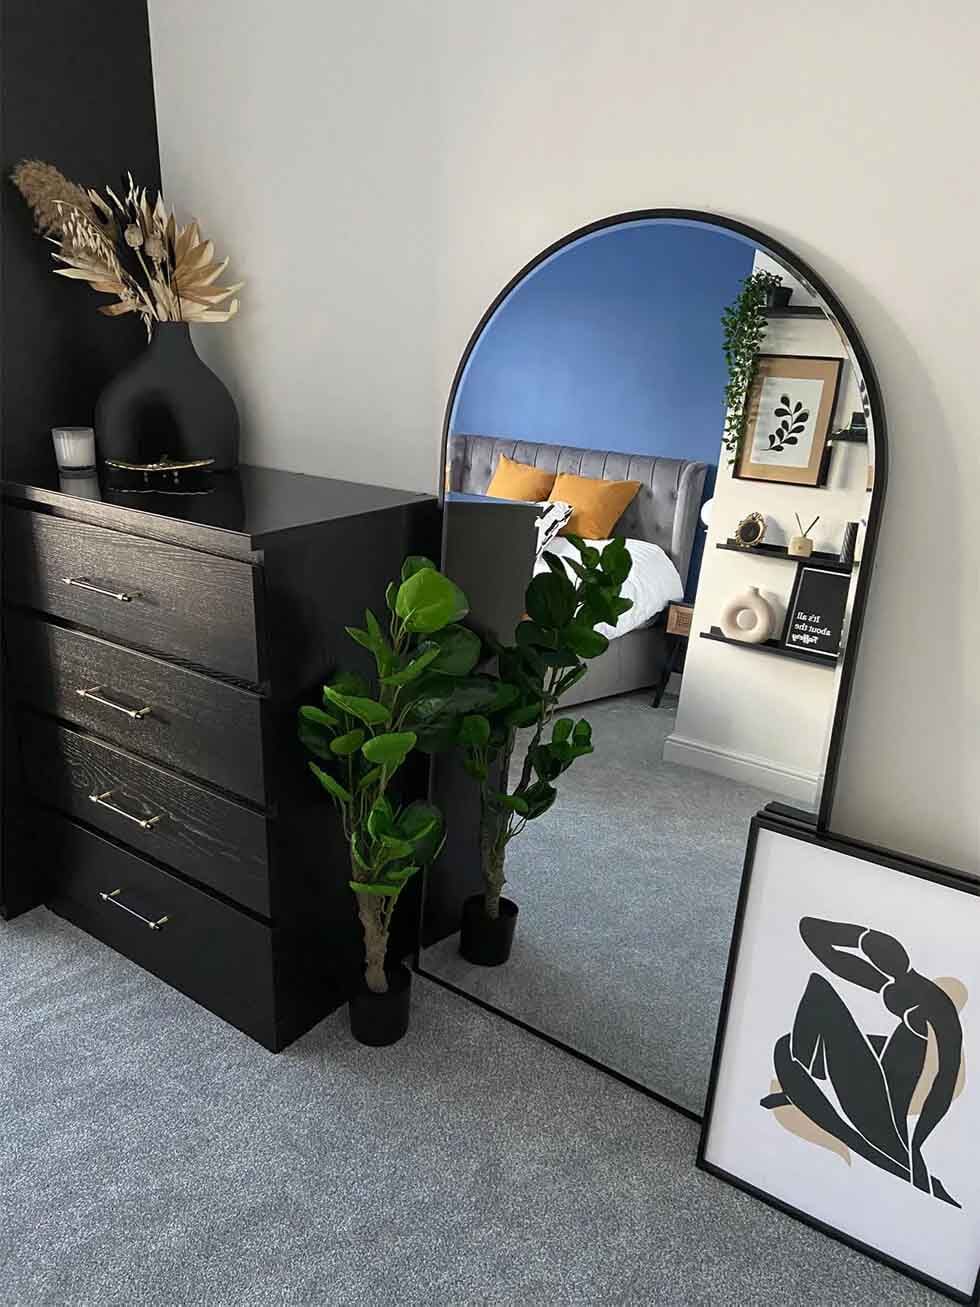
523	715
412	671
369	778
374	626
416	563
585	641
374	887
474	731
419	821
529	635
539	798
562	729
316	738
381	818
368	711
429	601
348	683
459	650
344	745
389	750
550	600
332	787
615	561
582	734
312	714
509	802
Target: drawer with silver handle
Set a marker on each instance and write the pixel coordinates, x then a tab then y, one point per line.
181	603
171	715
217	842
216	954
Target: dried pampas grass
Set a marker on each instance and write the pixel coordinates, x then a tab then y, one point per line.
174	273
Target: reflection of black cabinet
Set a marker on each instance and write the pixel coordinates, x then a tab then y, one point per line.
679	619
157	662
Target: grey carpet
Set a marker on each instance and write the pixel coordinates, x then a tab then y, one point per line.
627	891
151	1156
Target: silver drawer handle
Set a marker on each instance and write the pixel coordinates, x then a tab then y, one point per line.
113	897
94	693
83	583
146	823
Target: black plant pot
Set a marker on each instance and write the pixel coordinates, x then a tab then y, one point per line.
778	297
167	404
382	1019
483	941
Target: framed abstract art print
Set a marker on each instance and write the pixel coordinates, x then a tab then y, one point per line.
788	414
845	1088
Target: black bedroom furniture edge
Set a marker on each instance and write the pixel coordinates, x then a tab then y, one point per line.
156	650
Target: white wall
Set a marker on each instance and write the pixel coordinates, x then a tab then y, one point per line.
380	171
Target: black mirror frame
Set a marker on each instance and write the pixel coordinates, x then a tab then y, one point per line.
845	325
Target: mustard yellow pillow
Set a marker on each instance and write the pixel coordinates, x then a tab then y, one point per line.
598	505
514	480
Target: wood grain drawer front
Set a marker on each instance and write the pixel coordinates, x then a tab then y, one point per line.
213	953
168	714
212	839
187	605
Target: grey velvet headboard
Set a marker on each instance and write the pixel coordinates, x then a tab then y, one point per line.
665	510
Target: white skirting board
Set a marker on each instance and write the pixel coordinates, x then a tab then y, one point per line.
802	787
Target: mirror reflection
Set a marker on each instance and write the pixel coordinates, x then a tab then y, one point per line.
659	469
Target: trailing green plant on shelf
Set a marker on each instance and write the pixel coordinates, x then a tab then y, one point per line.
363	734
552	647
744	323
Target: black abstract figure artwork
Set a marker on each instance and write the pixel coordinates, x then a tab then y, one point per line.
879	1096
794	419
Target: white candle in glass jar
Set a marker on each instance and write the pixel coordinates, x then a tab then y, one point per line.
74	448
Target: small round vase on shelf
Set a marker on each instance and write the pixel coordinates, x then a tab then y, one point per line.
483	940
167	405
747	617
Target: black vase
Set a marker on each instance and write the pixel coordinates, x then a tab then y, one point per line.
778	297
381	1019
483	940
167	405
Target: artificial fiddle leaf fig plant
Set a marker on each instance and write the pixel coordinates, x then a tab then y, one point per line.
551	649
362	734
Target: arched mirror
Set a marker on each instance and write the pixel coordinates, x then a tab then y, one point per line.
683	385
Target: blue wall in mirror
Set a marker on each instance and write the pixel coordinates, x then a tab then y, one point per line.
615	343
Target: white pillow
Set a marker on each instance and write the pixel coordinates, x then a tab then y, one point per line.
554	515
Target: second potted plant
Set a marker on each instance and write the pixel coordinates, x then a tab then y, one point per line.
550	653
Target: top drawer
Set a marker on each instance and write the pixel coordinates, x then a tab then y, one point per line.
191	606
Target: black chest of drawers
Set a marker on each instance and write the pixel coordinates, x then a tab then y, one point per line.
156	650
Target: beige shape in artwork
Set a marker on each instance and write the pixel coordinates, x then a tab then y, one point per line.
792	1119
959	993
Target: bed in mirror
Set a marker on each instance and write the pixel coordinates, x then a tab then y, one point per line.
683	385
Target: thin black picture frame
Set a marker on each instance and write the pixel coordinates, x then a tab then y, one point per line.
824	466
946	876
793	599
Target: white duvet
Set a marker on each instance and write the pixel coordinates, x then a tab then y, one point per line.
652	584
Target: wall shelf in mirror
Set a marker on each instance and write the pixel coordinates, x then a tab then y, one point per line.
828	562
771	647
795	311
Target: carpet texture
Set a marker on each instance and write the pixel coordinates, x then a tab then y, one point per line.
627	891
151	1156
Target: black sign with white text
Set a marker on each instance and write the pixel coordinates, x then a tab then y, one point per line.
815	617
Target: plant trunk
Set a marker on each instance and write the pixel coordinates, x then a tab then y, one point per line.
493	836
370	909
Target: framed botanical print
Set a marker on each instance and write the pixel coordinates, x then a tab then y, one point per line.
845	1087
788	414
